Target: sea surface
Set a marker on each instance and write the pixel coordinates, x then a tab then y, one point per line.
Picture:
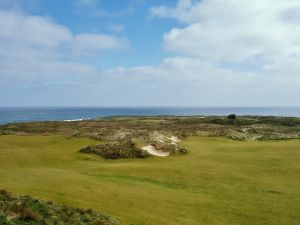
26	114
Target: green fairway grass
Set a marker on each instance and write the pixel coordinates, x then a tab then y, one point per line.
219	182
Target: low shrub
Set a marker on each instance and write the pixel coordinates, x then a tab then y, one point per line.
167	147
116	150
29	211
231	116
27	214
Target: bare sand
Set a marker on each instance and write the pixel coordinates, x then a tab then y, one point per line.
153	151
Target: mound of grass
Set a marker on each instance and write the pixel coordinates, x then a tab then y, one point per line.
116	150
29	211
167	147
173	149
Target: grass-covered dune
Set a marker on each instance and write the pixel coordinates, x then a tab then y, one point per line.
218	182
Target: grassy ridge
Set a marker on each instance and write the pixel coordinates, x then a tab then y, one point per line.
219	182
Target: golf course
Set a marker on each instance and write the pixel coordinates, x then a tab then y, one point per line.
219	181
149	112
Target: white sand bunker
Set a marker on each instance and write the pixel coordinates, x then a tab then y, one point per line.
153	151
174	140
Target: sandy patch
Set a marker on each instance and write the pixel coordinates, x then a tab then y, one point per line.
153	151
77	120
174	140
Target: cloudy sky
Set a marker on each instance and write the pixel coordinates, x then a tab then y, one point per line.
149	53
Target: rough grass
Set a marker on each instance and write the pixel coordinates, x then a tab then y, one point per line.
219	182
26	210
116	128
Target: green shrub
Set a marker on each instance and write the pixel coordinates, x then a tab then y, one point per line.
231	116
3	220
29	211
116	150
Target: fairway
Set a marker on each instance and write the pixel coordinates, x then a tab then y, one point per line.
219	182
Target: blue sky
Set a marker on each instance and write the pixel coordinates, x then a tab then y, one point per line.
130	19
149	53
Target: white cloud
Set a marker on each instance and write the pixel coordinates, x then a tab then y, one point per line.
234	30
117	27
92	7
41	32
38	48
96	8
98	42
235	52
179	12
86	2
225	53
17	29
260	40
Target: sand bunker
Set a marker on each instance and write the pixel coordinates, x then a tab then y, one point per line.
153	151
174	140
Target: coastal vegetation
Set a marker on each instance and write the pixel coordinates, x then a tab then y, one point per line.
121	128
26	210
116	150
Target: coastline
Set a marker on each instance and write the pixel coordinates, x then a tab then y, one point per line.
31	114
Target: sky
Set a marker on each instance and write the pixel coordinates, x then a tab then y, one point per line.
149	53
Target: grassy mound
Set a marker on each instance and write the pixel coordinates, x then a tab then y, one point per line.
167	147
116	150
164	141
28	211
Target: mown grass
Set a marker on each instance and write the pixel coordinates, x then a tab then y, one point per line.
219	182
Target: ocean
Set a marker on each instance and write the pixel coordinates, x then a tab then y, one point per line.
27	114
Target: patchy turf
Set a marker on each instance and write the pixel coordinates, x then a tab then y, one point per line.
218	182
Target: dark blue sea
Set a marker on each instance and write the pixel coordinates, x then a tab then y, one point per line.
26	114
